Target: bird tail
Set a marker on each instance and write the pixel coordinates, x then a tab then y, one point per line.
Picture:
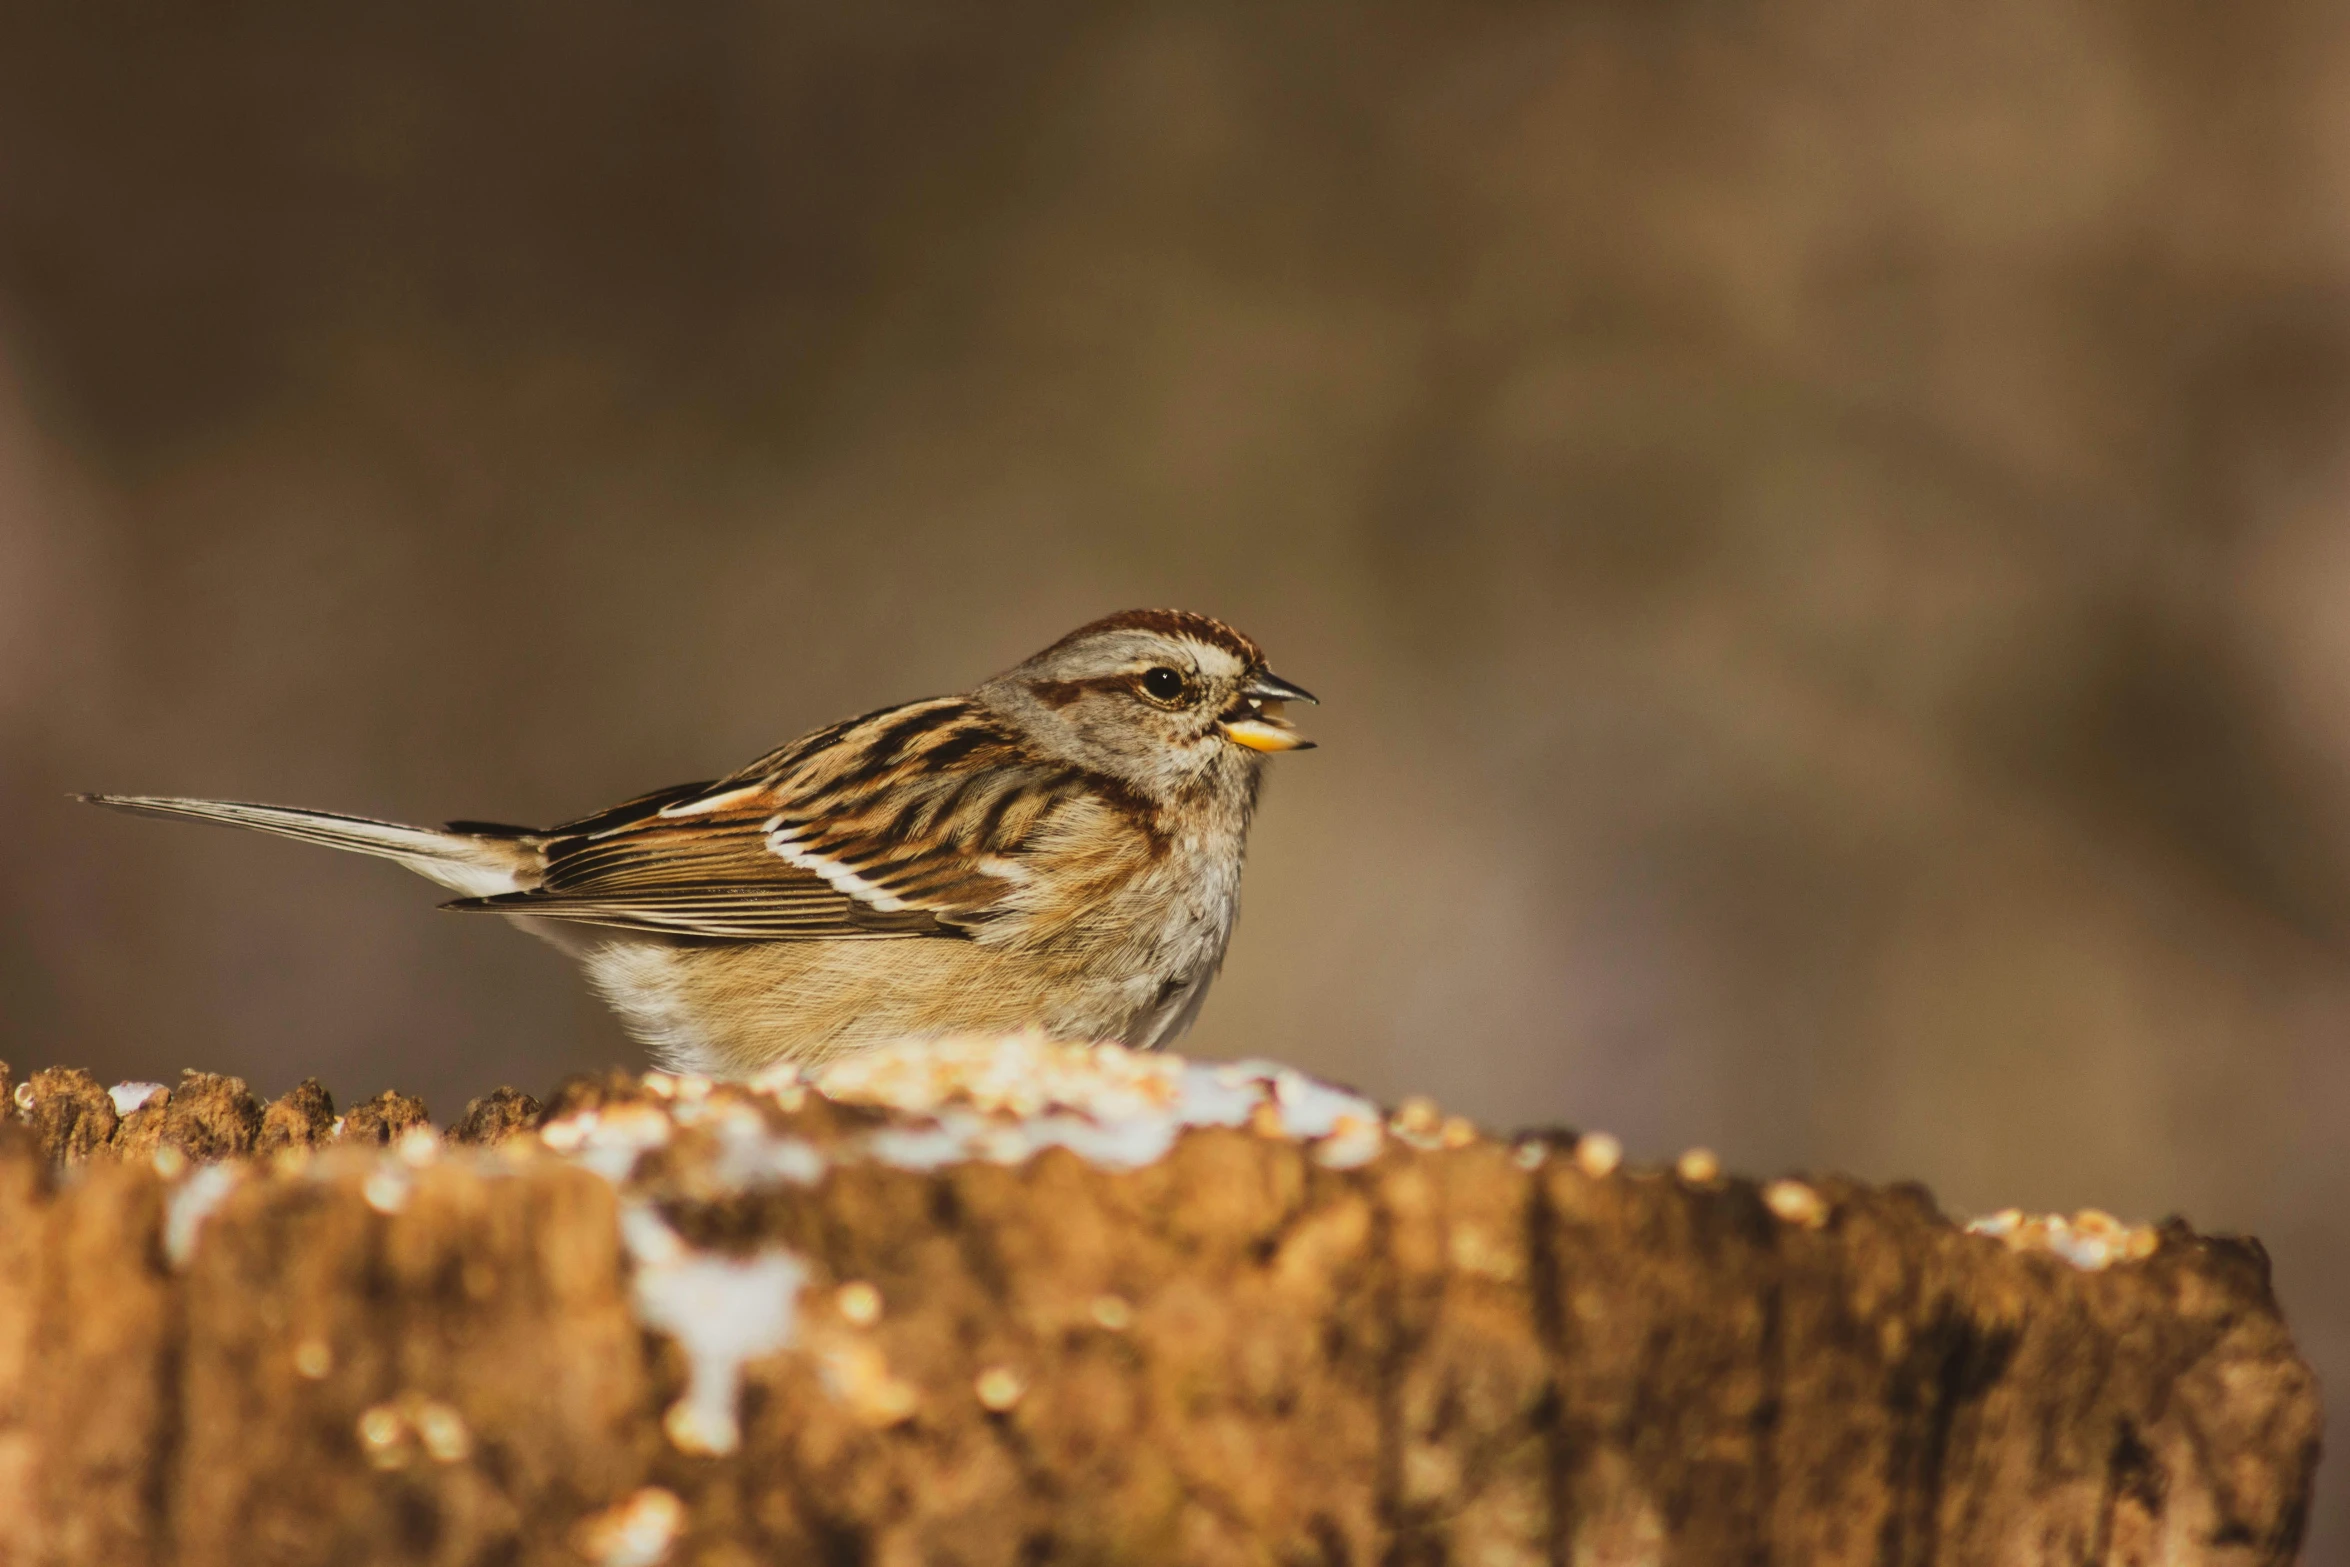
480	861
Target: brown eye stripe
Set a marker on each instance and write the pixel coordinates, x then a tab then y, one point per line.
1060	693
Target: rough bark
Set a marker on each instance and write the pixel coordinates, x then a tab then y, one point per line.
1436	1348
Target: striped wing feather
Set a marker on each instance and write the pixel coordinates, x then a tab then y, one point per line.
906	822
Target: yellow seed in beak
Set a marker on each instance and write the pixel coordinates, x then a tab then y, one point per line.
1264	734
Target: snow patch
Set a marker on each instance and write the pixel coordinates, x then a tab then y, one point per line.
723	1311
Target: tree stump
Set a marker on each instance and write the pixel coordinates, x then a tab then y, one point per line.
1012	1302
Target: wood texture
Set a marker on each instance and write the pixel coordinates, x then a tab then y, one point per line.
1457	1351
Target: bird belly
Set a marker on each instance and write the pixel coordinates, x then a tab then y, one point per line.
730	1009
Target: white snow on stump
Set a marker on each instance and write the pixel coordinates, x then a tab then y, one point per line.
722	1310
191	1202
128	1097
2090	1240
1004	1100
635	1531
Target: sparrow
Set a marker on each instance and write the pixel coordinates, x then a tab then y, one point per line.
1058	849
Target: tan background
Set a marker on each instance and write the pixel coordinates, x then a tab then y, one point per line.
1823	529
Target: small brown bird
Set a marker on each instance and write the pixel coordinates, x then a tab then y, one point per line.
1058	849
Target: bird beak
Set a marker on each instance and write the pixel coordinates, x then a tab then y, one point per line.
1266	686
1256	721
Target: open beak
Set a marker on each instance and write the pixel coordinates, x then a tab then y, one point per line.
1255	720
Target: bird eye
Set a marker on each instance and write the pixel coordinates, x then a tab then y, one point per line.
1162	684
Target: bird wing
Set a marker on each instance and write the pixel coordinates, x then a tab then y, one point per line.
905	822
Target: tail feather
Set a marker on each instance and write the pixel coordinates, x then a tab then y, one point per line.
477	865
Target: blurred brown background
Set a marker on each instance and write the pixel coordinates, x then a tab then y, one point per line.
1823	530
